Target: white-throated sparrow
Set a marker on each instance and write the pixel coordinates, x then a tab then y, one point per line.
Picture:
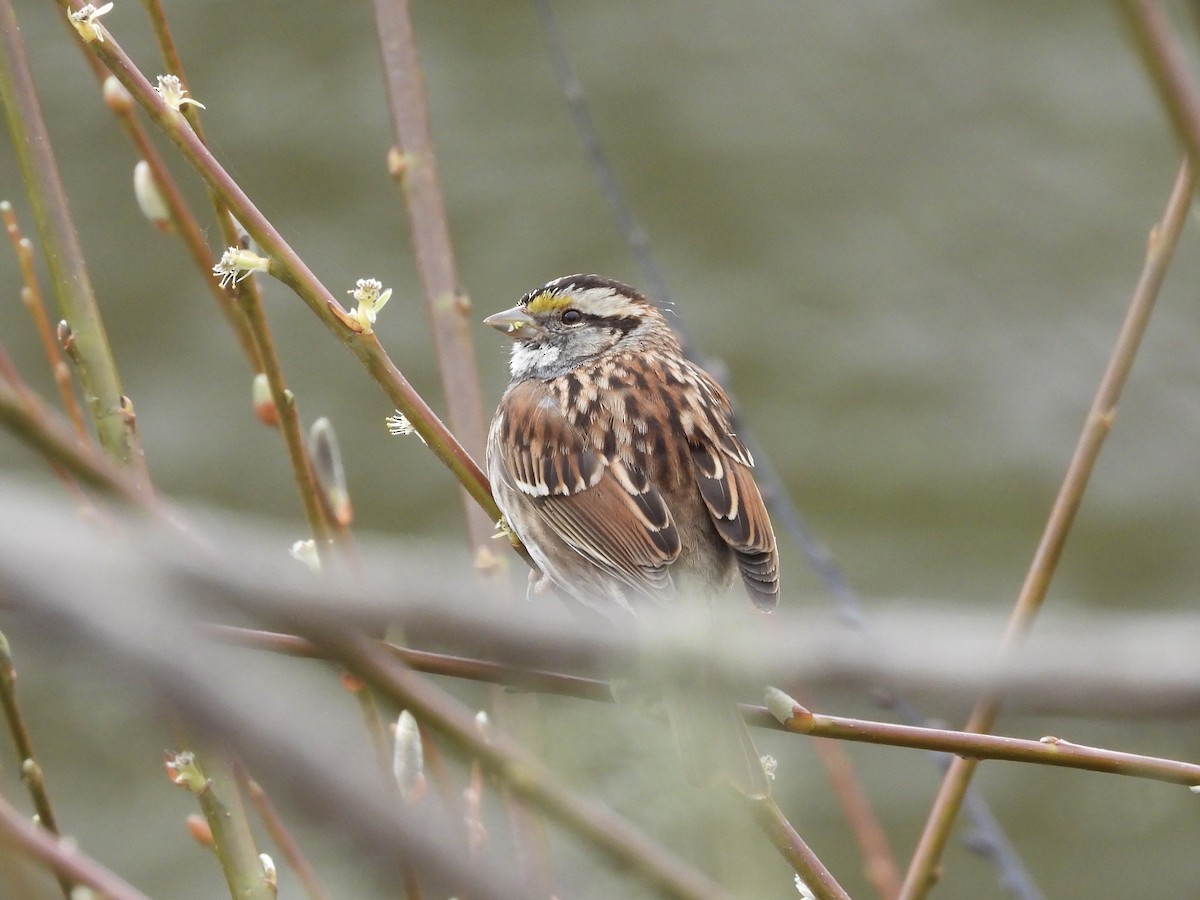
613	459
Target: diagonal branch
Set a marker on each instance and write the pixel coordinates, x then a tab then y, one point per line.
286	265
1163	239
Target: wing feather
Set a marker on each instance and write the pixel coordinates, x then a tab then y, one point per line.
603	508
724	473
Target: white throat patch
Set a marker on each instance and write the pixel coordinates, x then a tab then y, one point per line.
528	359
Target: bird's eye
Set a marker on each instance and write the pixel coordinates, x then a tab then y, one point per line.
572	317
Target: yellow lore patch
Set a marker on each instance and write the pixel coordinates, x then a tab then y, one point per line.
546	302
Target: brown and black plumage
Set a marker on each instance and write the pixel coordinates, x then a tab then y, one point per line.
614	460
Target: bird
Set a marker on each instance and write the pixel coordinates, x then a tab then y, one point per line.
613	458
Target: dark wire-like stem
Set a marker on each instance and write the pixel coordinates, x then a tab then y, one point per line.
784	512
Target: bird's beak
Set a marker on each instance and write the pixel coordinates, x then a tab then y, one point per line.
515	322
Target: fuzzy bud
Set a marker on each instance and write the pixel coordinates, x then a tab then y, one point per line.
331	474
265	409
117	97
408	758
270	874
149	197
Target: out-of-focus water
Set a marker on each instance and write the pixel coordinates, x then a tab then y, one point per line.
909	231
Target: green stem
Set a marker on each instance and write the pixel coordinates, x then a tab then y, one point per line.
216	790
280	834
60	243
792	847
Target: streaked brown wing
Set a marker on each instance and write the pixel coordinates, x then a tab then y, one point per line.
602	508
726	480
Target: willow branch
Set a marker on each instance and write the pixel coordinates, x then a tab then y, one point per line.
287	266
878	859
215	789
1161	247
1165	62
31	295
1048	751
182	220
785	714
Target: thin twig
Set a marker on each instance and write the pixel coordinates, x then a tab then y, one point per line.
1163	239
15	391
242	302
57	443
183	220
32	297
879	861
289	421
413	164
787	840
280	834
1165	62
62	857
215	787
1048	751
799	720
31	770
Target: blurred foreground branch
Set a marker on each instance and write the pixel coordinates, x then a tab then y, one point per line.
1124	666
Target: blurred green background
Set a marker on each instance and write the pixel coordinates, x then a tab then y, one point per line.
909	231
